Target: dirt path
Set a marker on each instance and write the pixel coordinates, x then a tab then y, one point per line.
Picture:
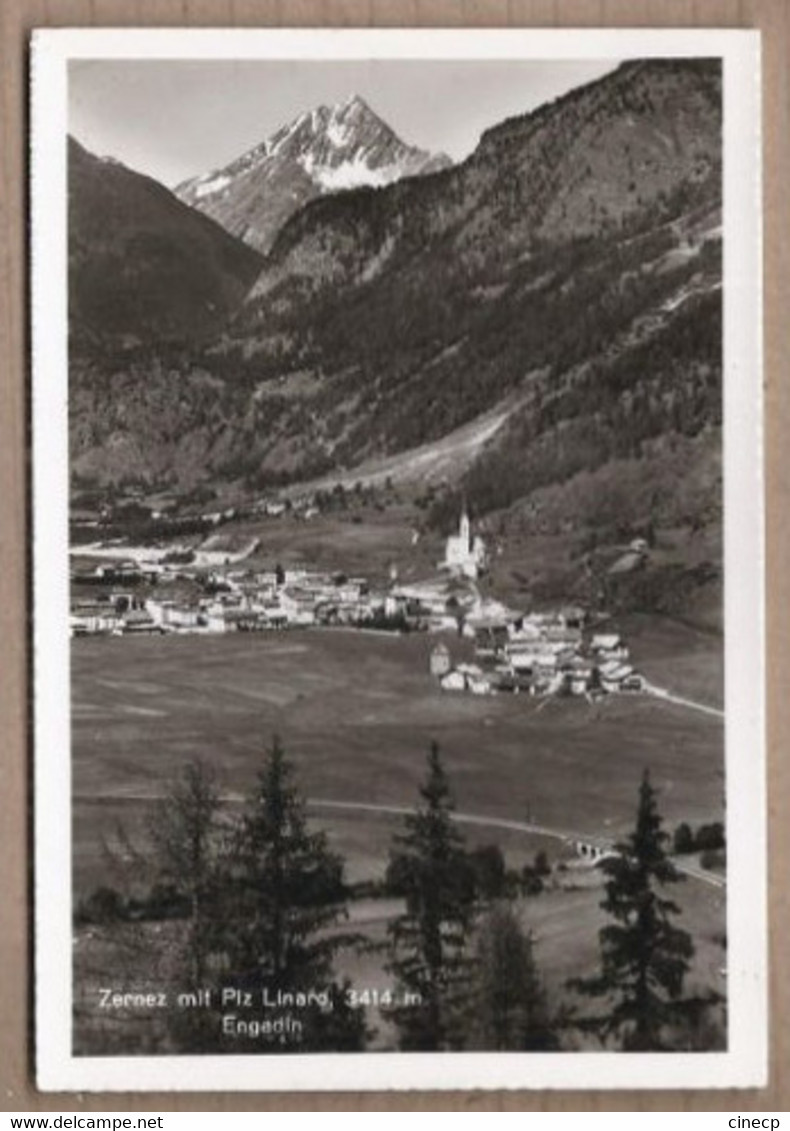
662	693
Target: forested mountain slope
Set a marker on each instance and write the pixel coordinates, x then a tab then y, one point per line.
142	266
567	275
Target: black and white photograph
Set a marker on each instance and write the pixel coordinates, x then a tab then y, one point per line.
398	556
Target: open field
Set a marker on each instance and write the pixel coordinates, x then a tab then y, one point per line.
361	541
356	712
683	659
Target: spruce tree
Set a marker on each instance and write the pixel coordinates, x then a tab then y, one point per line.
283	900
429	942
644	956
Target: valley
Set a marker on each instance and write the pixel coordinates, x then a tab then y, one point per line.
541	311
370	450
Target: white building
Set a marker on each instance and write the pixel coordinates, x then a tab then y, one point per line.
465	554
453	681
440	663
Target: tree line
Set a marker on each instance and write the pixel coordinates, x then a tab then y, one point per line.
263	910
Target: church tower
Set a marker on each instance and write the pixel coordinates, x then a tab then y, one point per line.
465	530
465	554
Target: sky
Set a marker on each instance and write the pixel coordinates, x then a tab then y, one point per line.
174	119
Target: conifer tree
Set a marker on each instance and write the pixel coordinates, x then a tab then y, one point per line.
429	942
644	956
511	1011
284	899
187	841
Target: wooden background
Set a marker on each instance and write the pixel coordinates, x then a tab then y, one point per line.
17	18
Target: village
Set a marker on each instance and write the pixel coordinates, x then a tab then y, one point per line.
497	648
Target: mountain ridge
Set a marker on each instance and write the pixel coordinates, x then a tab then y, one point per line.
568	271
143	266
546	198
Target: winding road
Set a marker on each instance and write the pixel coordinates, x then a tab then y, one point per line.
565	835
693	871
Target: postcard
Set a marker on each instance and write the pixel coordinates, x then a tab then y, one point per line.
398	552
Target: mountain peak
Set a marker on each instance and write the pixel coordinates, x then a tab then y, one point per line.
353	105
340	124
327	149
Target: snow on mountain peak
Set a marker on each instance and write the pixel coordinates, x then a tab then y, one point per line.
326	149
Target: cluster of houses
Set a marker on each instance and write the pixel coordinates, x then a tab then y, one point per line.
539	653
542	653
116	614
236	601
251	601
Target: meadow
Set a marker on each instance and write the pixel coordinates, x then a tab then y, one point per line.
356	712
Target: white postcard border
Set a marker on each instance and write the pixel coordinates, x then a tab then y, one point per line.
745	1062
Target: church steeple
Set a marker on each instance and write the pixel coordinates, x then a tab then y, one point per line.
465	529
